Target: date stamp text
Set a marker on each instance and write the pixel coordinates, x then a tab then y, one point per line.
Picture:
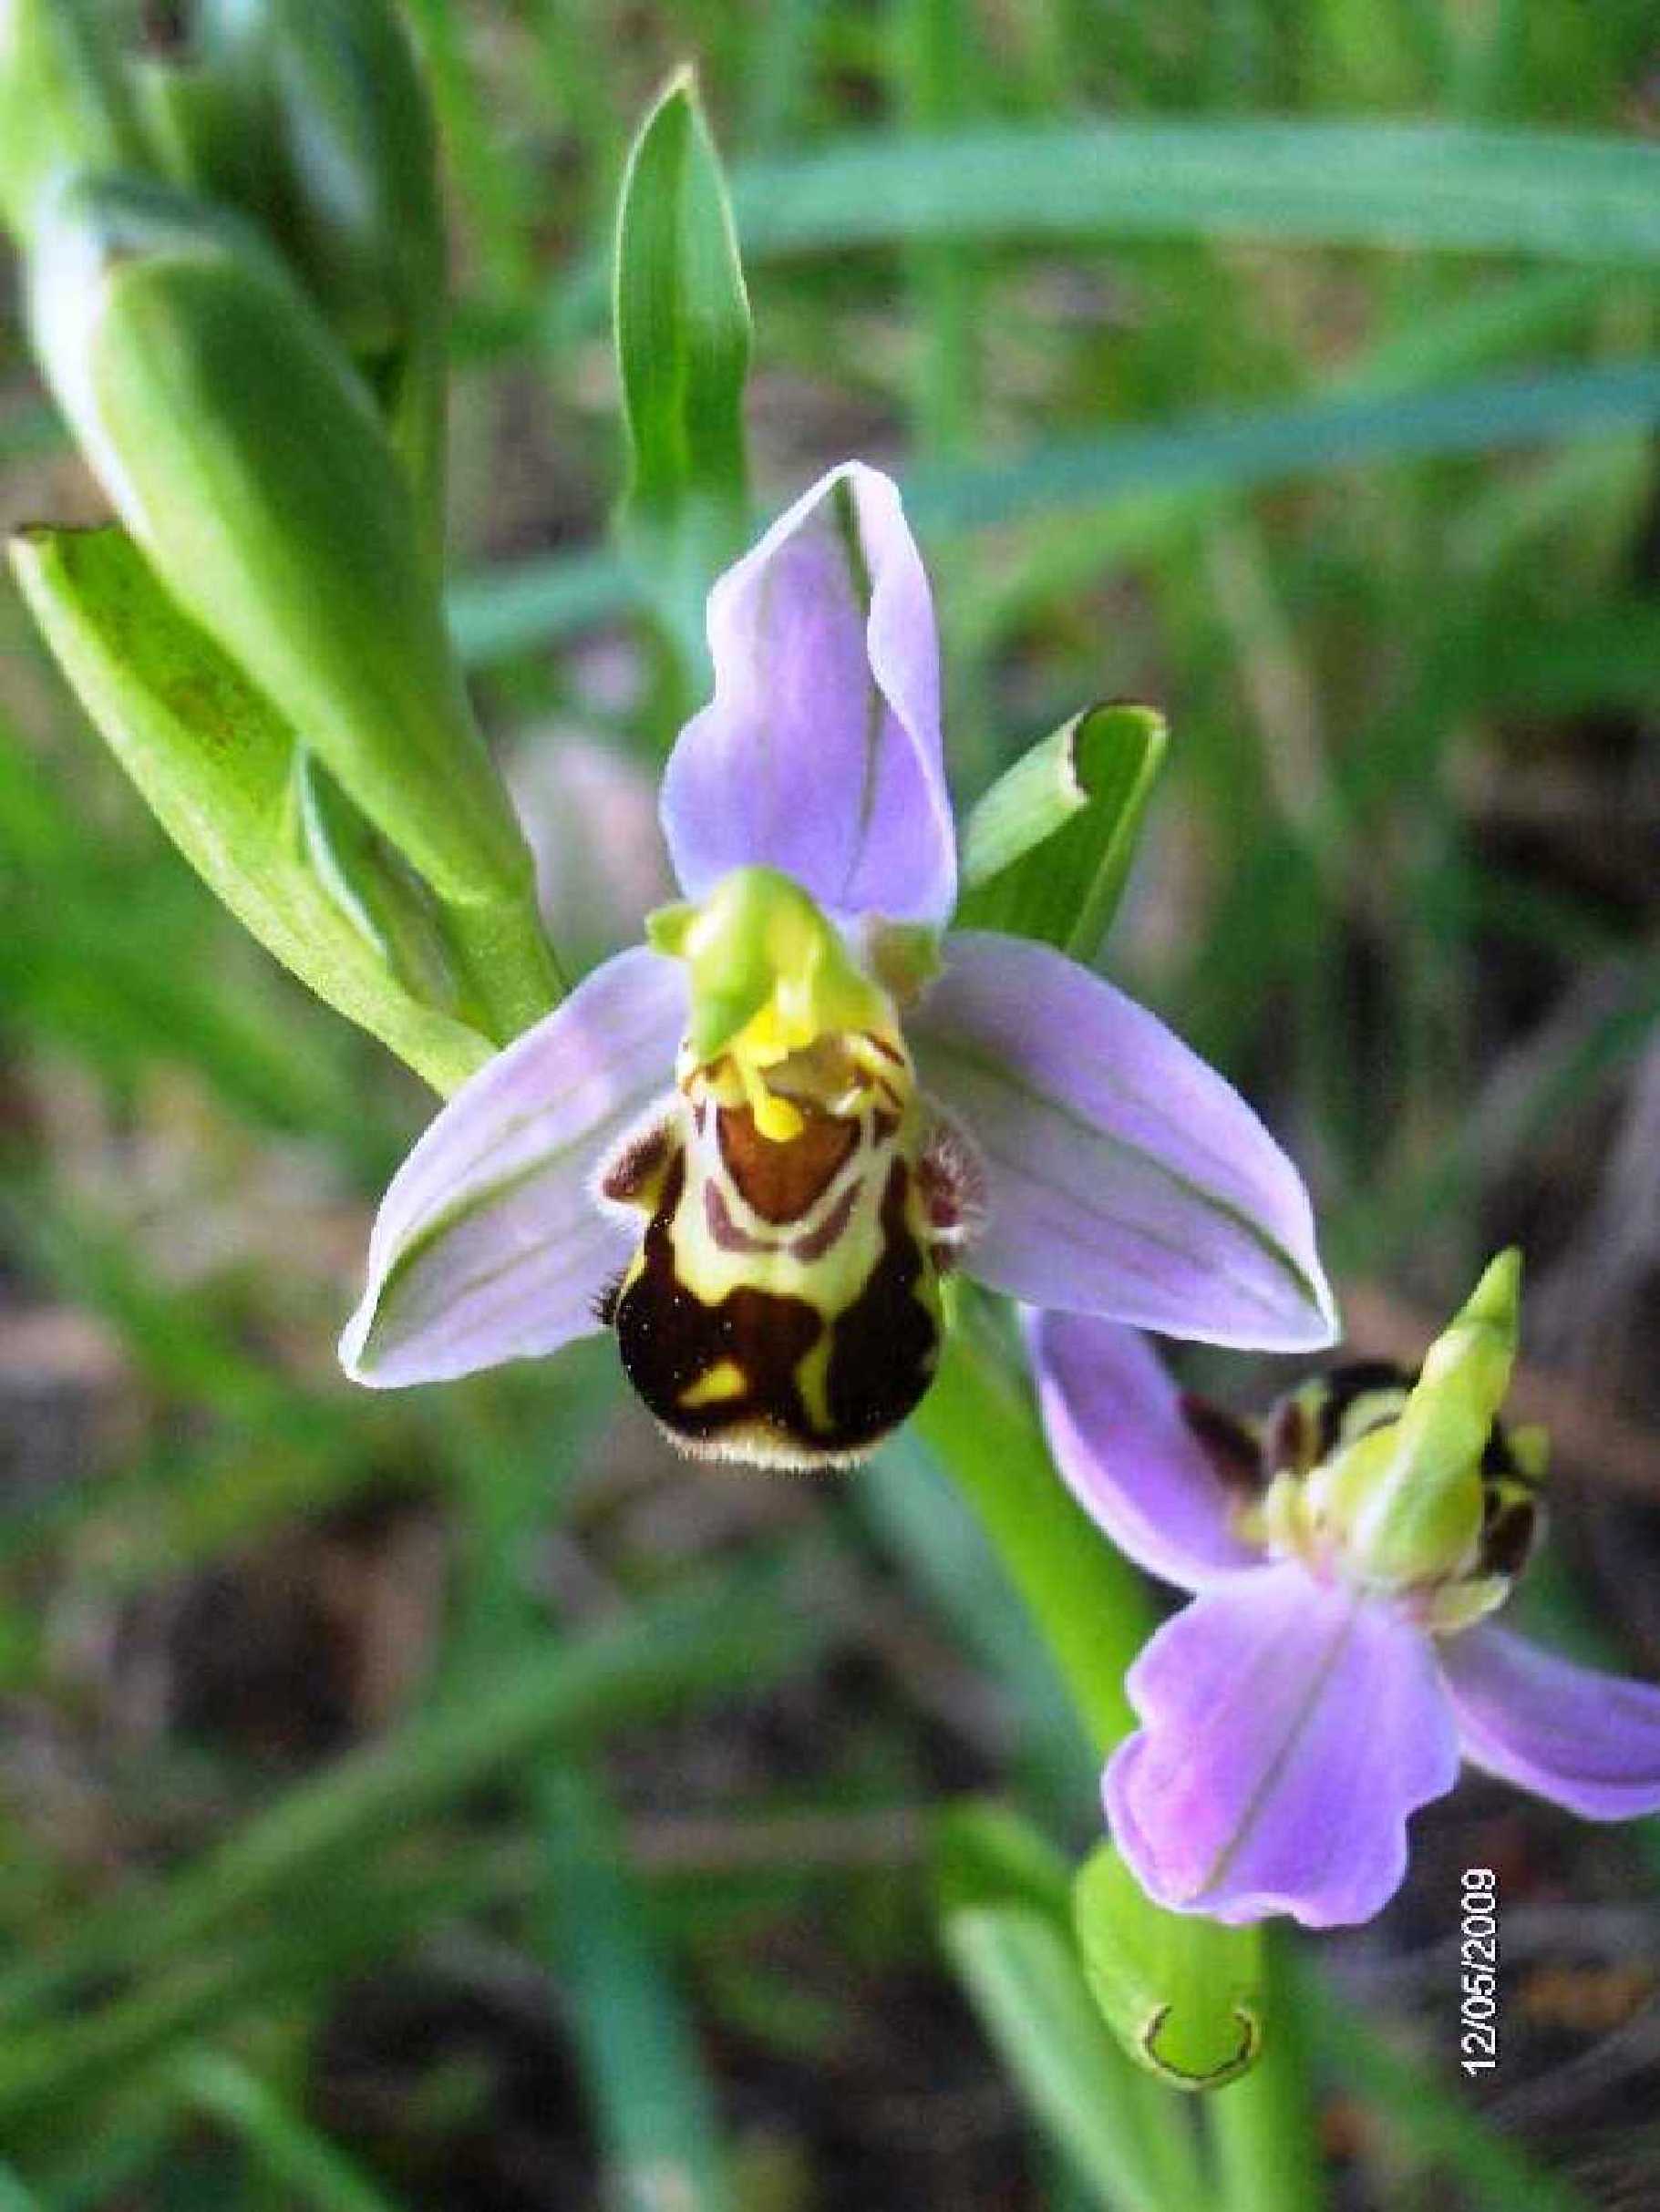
1479	1971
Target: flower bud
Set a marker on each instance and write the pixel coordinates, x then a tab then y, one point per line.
250	465
1182	1994
1411	1494
63	109
343	178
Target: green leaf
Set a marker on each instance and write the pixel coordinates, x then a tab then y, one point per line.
1384	184
986	1854
682	335
1216	451
1048	851
371	887
1439	186
1430	2128
991	1864
1022	1978
510	609
720	1634
216	765
249	463
651	2094
980	1427
1182	1994
289	2150
13	2195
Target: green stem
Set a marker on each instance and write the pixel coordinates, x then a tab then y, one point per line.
1264	2126
1086	1597
505	962
1094	1613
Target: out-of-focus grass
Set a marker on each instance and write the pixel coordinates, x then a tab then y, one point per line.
1334	441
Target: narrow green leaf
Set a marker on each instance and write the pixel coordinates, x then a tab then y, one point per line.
1214	450
1182	1994
1022	1978
986	1854
982	1429
913	1513
371	887
13	2195
512	610
1048	851
1388	184
1265	2128
989	1859
502	610
1438	186
652	2096
289	2150
717	1634
682	335
1429	2127
216	765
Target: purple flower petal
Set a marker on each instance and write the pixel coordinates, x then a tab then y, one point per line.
488	1245
1124	1178
820	753
1116	1428
1288	1731
1588	1741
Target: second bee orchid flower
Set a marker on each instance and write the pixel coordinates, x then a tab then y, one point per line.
755	1145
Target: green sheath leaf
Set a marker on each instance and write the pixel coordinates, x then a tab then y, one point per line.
216	764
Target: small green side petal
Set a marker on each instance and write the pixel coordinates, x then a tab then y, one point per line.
1047	852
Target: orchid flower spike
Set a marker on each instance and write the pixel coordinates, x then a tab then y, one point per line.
1336	1660
753	1146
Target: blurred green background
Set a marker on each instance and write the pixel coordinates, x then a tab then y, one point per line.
453	1800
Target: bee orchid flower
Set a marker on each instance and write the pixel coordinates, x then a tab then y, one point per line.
1338	1661
753	1145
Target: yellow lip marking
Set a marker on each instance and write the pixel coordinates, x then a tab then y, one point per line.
725	1380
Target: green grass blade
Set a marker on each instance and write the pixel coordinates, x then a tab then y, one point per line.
1386	184
515	609
13	2195
1429	2127
293	2154
652	2099
1434	186
500	611
1304	439
713	1634
1023	1979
